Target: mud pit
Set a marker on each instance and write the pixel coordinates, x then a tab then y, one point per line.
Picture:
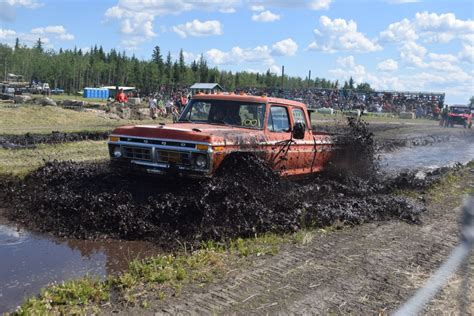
90	201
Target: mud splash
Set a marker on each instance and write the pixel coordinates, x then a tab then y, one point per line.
31	140
90	201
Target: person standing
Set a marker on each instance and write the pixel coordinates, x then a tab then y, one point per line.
152	104
444	117
121	98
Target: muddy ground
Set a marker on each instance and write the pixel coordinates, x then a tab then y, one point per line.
31	140
363	270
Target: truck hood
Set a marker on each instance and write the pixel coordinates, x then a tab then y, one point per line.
207	133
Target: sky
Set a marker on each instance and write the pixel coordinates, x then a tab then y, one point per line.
404	45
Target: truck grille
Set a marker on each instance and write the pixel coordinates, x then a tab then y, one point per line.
137	153
173	157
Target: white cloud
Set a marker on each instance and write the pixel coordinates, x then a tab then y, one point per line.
8	7
467	54
198	28
431	28
259	54
445	78
137	16
309	4
265	16
341	35
286	47
399	32
442	57
387	65
6	34
350	69
413	54
189	57
257	8
58	31
320	4
402	1
275	69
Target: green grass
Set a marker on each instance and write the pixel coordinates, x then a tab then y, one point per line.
45	119
21	161
72	297
317	117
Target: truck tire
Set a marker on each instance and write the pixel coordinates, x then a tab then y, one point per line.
244	167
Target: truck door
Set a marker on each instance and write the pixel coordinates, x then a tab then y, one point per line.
302	152
279	137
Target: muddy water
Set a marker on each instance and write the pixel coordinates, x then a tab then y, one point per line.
29	261
428	157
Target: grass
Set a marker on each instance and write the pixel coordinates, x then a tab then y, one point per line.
45	119
317	117
72	297
21	161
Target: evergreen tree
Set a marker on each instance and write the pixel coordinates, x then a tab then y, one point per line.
39	45
351	83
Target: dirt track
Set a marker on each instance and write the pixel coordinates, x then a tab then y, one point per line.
367	269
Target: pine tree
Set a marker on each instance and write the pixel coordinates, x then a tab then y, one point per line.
39	45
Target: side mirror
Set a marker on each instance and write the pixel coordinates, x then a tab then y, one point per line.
299	130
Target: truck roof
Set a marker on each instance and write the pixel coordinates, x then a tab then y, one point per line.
247	98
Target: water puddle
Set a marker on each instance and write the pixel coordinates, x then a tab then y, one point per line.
30	261
428	157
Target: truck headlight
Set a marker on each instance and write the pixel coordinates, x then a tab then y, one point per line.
117	152
201	161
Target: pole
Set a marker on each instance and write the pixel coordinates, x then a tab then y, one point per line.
309	77
282	75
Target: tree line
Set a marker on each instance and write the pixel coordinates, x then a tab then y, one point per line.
74	69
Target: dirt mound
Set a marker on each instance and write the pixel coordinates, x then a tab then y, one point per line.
90	201
30	140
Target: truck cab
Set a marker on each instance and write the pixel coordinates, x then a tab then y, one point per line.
216	127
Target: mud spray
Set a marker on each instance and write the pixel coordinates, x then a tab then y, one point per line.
83	200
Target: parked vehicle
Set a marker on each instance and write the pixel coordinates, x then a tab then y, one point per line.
460	115
213	128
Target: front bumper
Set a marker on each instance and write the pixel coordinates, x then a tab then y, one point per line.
158	157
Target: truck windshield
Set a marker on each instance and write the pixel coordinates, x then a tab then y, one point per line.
234	113
459	110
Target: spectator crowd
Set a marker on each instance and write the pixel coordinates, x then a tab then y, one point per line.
422	104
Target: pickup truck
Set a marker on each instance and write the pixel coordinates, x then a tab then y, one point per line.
216	127
460	115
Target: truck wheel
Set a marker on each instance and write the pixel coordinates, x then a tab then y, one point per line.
243	167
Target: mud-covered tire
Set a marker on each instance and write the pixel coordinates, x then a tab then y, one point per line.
246	167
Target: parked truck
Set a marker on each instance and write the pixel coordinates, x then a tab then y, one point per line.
213	128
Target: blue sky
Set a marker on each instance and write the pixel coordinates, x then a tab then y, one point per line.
414	45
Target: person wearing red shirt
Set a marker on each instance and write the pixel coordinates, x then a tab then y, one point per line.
121	97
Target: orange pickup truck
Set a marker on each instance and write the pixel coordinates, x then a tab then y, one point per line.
216	127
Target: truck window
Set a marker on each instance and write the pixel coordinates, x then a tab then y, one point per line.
298	116
278	120
223	112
